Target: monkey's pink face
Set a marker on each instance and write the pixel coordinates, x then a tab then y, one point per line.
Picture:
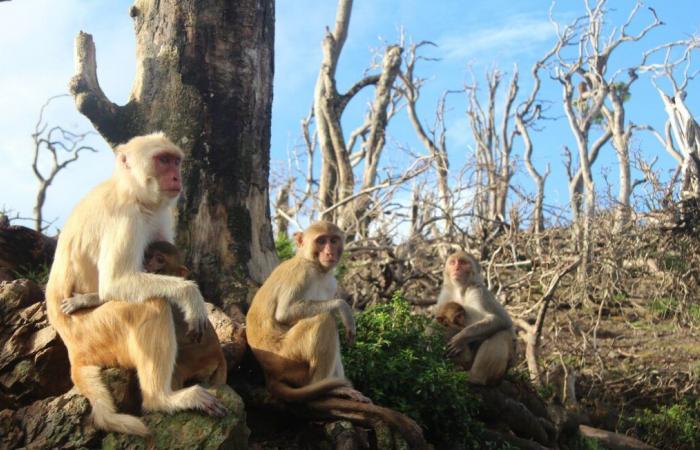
459	269
328	248
167	171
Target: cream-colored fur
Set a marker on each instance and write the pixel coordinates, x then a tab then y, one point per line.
100	249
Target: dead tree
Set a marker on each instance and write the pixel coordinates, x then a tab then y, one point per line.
494	145
587	69
336	189
527	113
204	77
432	139
682	133
54	140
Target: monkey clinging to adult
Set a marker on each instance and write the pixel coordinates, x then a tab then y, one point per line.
203	361
293	334
487	324
454	318
100	249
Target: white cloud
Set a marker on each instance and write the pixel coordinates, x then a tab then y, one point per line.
515	35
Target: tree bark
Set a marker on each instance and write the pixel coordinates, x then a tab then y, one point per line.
204	77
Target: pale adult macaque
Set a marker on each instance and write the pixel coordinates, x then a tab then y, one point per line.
454	318
292	332
201	362
488	326
100	249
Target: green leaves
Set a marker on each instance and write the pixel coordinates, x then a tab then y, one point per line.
399	361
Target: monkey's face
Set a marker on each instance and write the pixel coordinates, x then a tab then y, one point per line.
155	262
459	269
327	249
166	168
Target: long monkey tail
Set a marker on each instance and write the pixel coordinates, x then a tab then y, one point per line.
285	392
89	383
368	413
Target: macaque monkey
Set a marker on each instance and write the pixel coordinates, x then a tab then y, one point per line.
290	324
203	361
100	249
454	318
292	332
487	323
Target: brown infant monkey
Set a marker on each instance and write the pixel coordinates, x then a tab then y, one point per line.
201	362
454	318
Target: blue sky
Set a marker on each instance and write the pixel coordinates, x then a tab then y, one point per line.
37	54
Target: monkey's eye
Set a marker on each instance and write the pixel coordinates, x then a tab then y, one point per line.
335	240
321	240
160	259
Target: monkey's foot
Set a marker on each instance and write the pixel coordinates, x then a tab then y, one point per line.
352	394
210	404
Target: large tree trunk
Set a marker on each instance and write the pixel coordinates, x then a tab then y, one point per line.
204	77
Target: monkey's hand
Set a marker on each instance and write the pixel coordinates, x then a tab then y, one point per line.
79	301
194	311
457	345
348	321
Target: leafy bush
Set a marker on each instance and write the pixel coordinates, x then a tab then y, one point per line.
400	364
284	247
676	426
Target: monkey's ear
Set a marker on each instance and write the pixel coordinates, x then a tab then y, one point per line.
121	157
298	238
184	272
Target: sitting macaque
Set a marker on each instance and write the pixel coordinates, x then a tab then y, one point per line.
488	329
202	362
100	249
454	318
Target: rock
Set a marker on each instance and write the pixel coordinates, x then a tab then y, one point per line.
63	422
33	359
6	275
23	249
231	333
18	294
190	429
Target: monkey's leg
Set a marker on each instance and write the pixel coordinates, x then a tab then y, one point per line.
153	348
491	360
90	384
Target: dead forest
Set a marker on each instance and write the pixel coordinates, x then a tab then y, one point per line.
602	290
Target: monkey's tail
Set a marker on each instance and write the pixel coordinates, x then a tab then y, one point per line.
89	382
370	414
285	392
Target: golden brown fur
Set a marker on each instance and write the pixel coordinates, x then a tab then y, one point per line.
202	362
293	334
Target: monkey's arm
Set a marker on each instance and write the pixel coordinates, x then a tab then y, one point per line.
291	308
495	319
120	276
80	301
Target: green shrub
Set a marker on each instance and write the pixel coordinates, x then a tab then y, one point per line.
39	274
284	247
676	426
400	364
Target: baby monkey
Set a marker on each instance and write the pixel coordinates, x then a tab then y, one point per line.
454	318
201	362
